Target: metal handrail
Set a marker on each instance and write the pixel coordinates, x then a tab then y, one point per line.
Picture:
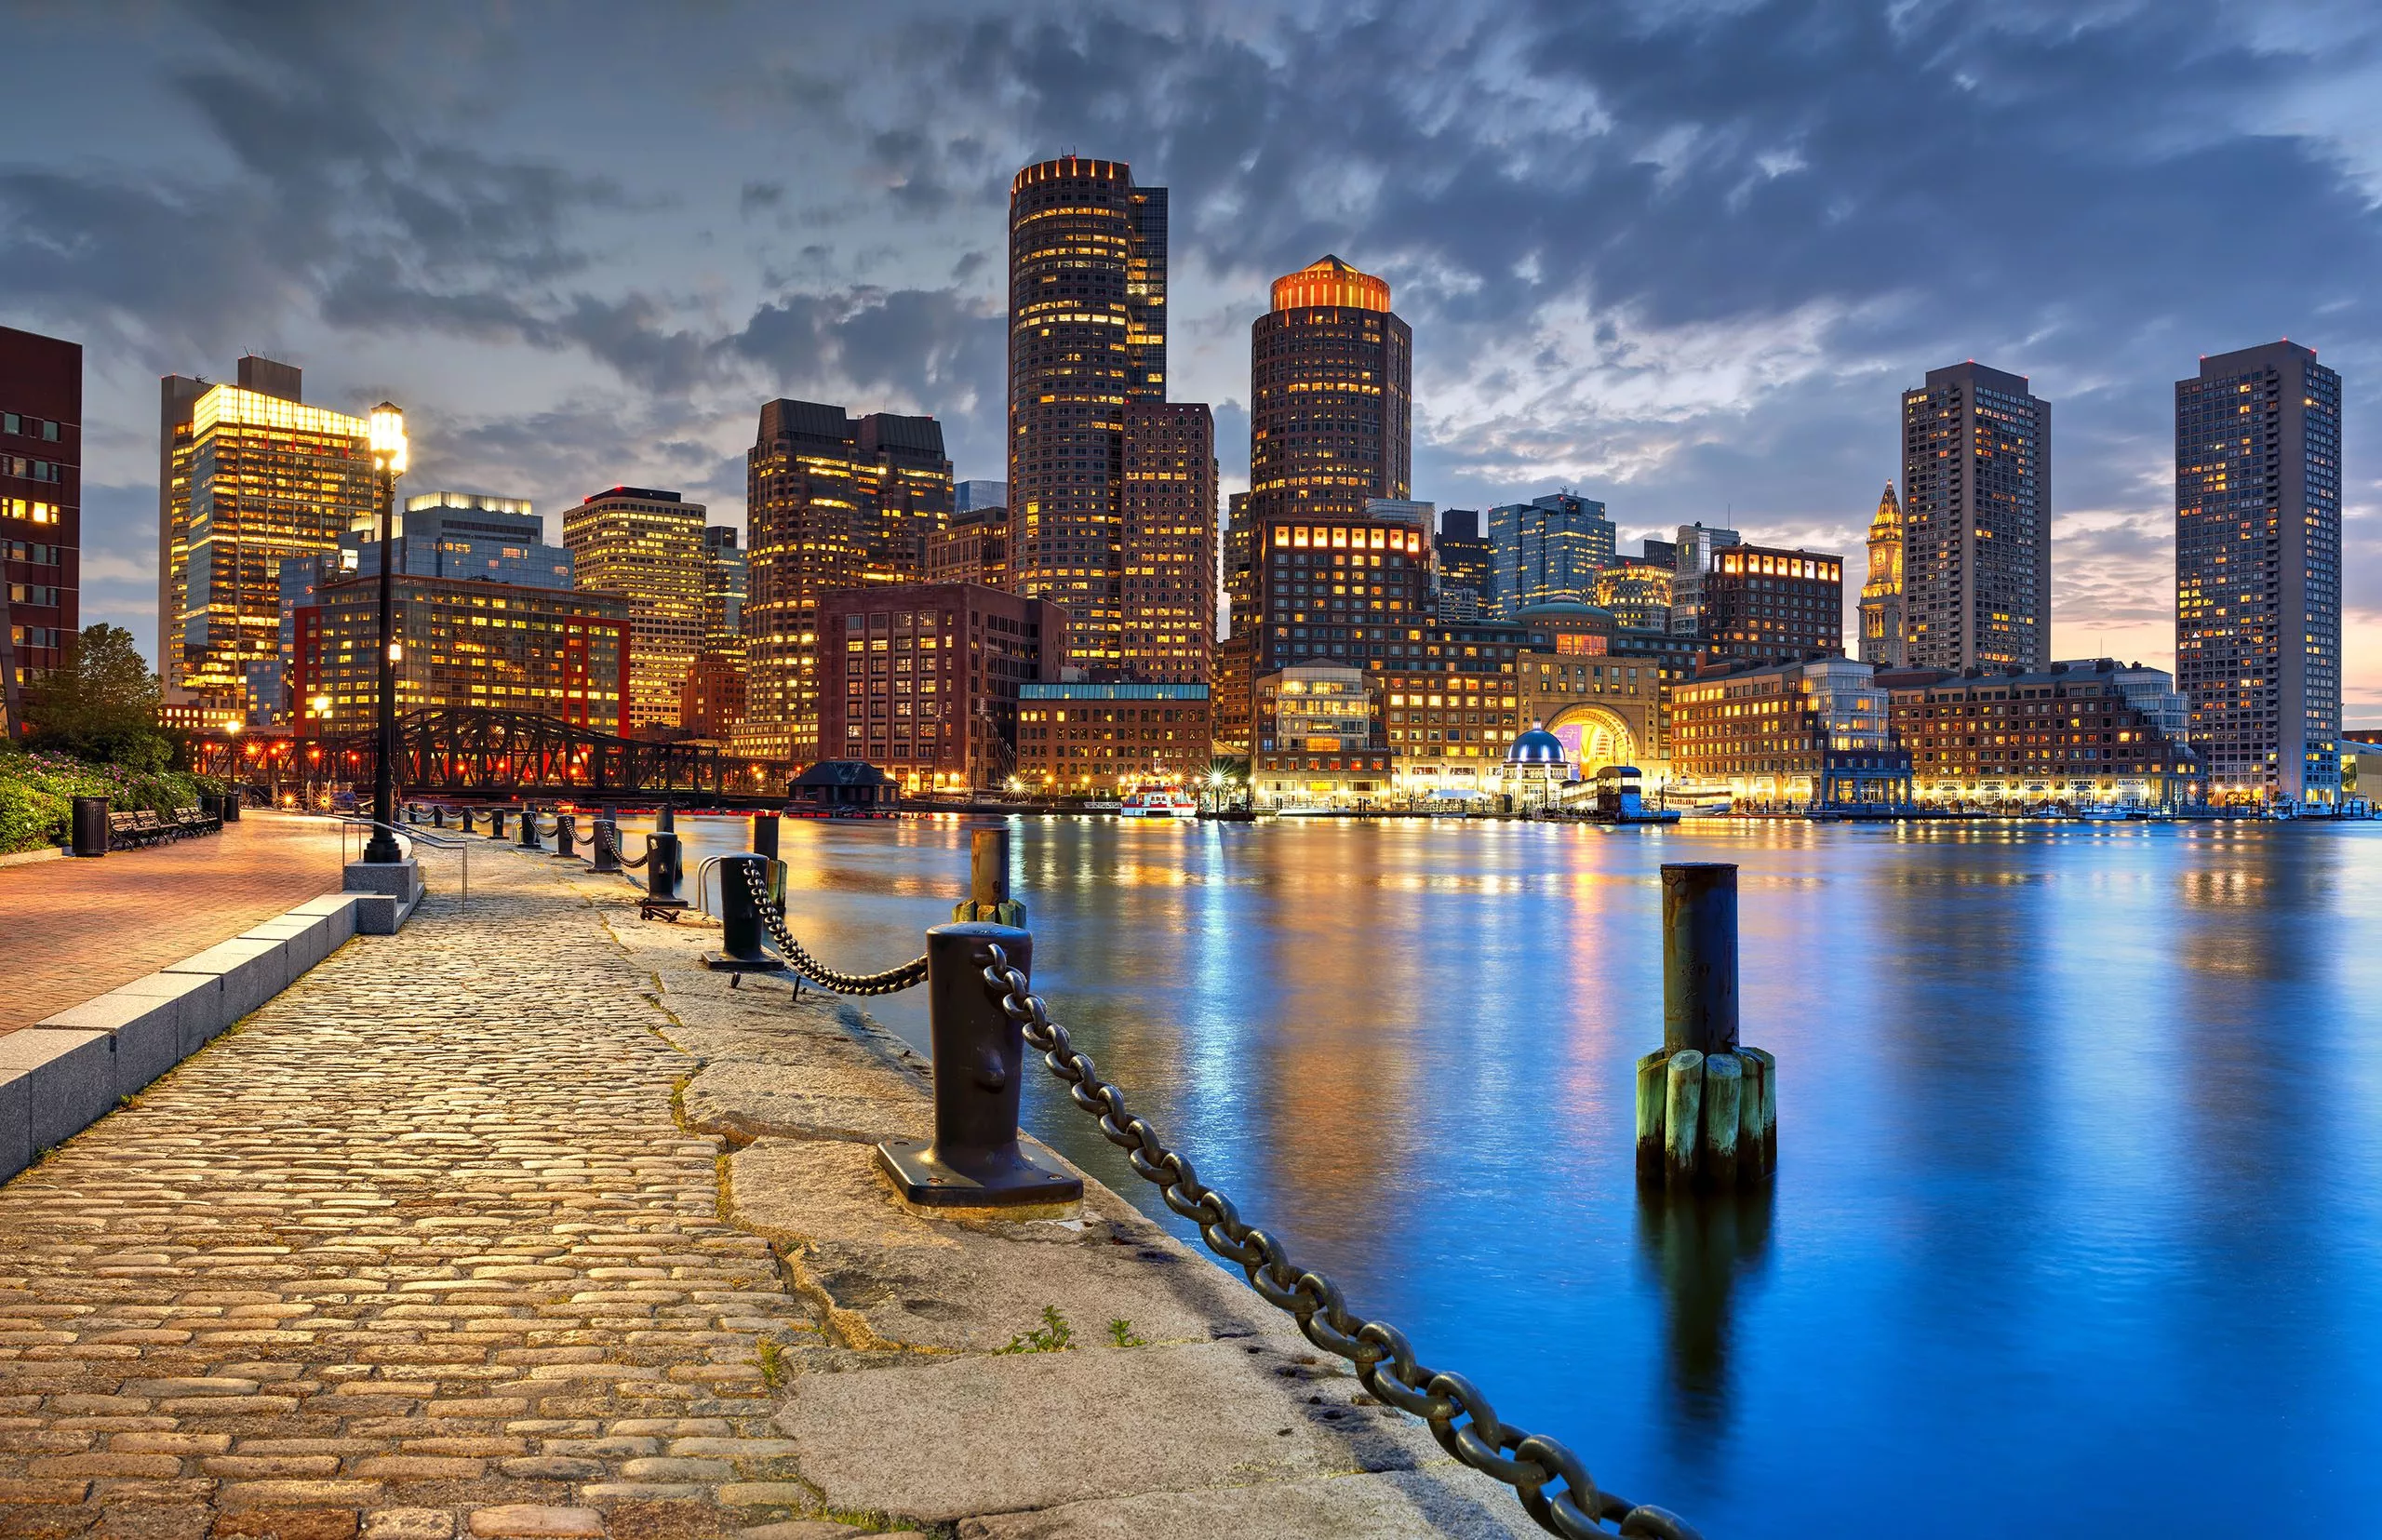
413	834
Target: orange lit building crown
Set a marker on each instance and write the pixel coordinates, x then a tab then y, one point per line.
1331	281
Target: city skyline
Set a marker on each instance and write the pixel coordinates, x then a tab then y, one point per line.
1763	399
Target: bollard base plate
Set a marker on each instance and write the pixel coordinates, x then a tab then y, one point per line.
721	962
923	1181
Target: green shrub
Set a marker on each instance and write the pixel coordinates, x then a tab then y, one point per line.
31	818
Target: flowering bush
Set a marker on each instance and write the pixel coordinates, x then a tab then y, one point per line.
37	792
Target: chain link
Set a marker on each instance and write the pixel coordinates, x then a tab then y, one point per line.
891	982
605	830
1460	1417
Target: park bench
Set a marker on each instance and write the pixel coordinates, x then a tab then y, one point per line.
134	828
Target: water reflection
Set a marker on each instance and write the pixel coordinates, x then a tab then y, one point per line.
1700	1249
2071	1124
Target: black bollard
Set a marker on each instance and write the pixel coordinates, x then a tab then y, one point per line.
608	844
496	824
974	1160
530	840
740	919
438	816
90	829
665	820
467	822
662	870
765	844
566	838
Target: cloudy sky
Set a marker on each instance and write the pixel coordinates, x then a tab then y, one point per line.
1682	257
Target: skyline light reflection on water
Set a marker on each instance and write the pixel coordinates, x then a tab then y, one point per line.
2076	1216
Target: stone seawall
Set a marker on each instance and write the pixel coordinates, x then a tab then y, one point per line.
521	1223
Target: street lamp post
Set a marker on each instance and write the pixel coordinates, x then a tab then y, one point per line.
388	463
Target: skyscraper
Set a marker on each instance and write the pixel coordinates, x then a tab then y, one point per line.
723	590
41	510
1169	541
1976	521
1691	558
831	503
1087	336
1331	396
1770	603
648	547
2258	572
253	479
1461	584
1547	551
1881	629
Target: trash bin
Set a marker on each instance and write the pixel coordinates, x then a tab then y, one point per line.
91	825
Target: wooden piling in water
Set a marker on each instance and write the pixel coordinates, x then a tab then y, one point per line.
1683	1118
1723	1086
1768	1111
1653	1087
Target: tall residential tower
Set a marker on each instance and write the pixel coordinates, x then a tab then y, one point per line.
648	547
2258	572
41	503
1976	521
1331	396
1087	338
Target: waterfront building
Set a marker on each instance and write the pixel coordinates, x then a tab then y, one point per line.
1319	740
1236	654
1450	703
1347	592
1692	557
1637	590
979	497
252	477
462	642
1765	603
711	701
2076	731
724	589
1240	567
1461	578
466	537
1536	771
1086	738
973	548
1087	337
922	679
2258	572
1601	688
645	545
1780	733
1331	396
41	511
832	503
1882	643
461	535
1167	537
1976	521
1235	702
1546	551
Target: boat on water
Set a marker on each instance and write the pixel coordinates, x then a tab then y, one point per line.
1158	802
1619	799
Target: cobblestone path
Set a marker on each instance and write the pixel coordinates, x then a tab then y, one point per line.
419	1250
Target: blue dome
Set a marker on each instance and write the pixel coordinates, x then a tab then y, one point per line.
1537	747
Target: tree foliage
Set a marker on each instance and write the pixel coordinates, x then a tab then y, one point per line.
101	703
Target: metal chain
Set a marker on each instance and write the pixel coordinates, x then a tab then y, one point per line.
891	982
1460	1417
605	831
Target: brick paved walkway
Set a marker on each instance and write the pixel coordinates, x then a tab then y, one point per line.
76	928
419	1250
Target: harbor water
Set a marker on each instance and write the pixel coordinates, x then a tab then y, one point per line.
2077	1227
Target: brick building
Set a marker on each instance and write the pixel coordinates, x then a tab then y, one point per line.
922	679
1080	738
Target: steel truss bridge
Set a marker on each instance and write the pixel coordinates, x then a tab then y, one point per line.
463	752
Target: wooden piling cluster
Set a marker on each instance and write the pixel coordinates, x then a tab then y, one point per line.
1708	1107
1707	1121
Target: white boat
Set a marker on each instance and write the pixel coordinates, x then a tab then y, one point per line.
1158	802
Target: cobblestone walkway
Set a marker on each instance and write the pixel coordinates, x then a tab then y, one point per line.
419	1250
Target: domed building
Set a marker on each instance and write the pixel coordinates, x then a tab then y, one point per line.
1536	769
